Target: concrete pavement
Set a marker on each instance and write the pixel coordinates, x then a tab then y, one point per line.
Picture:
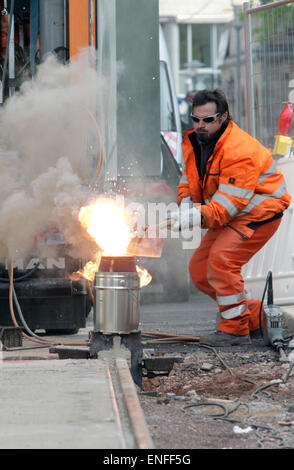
53	404
48	403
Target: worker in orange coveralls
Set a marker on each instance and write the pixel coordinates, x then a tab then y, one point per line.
242	196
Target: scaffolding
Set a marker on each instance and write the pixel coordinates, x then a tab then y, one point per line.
269	32
269	50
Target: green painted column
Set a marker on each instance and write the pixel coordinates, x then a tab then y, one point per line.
138	87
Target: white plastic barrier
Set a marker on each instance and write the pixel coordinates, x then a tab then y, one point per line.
278	254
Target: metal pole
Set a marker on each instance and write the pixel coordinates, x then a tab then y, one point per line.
249	71
268	6
238	26
11	62
213	53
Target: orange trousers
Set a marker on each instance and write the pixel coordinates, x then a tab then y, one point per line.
215	269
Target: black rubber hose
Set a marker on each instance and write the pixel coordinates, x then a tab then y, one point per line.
21	278
210	403
269	275
24	324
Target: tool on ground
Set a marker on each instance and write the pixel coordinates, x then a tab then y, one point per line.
272	325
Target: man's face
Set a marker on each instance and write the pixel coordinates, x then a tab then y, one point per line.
206	131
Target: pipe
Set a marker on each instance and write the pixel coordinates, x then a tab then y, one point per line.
169	337
174	338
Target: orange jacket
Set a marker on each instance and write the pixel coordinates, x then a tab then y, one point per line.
241	183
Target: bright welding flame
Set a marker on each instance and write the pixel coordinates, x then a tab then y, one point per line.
144	276
107	223
88	271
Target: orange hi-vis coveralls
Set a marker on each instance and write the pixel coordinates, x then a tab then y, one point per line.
243	196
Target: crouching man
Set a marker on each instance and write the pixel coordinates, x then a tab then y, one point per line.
242	195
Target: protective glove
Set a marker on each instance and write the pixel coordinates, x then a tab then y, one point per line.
187	216
135	212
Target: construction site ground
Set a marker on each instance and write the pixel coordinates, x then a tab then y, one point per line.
225	398
216	398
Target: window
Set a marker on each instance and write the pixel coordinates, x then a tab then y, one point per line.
183	45
201	43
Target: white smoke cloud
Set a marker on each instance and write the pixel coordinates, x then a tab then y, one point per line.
45	133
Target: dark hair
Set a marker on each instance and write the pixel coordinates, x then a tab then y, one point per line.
216	96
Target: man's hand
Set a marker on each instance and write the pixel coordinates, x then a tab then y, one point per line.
171	222
185	217
189	217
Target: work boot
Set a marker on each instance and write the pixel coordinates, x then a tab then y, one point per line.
255	334
219	338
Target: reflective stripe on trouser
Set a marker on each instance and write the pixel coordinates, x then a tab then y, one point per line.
215	269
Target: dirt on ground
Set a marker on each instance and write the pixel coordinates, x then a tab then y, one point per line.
217	399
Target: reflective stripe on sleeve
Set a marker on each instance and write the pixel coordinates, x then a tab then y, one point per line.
235	191
225	203
259	198
280	191
269	172
255	201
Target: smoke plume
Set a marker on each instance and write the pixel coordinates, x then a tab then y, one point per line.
48	148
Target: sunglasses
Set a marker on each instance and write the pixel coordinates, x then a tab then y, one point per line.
206	119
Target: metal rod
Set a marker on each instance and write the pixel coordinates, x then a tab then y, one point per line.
249	71
20	348
268	7
11	62
245	9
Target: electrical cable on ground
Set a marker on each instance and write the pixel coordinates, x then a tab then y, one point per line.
209	403
272	434
219	357
263	387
